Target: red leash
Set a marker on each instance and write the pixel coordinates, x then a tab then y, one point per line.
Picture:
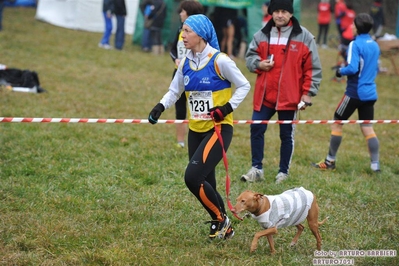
226	166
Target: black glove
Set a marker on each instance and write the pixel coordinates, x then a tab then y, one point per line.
156	113
338	73
219	112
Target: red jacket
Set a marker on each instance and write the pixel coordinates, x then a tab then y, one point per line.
339	9
348	19
323	13
297	67
348	35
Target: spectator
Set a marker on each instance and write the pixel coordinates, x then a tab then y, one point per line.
108	11
348	17
360	94
339	12
146	36
120	13
225	19
266	15
157	15
292	77
377	13
206	76
177	53
347	37
323	20
240	34
110	8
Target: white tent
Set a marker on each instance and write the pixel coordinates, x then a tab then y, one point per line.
82	14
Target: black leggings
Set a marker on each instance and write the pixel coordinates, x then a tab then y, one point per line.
323	33
205	152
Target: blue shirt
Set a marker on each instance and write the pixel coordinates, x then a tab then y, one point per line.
362	68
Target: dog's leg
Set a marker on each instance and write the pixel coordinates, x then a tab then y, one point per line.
271	244
269	234
315	230
300	228
314	223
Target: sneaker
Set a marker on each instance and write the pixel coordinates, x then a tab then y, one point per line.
324	165
280	177
105	46
375	167
254	174
229	232
221	230
180	145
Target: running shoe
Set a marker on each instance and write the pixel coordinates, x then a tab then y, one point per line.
324	165
254	174
280	177
221	230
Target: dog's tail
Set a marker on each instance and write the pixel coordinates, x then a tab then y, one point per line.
322	222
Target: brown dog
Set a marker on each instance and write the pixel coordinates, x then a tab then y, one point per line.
291	207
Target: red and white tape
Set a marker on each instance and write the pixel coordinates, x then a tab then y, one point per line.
145	121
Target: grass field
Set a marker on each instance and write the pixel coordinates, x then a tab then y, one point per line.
113	194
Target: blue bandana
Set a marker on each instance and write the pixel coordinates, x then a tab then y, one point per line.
203	27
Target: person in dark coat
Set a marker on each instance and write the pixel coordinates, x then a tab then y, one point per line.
157	15
120	14
145	8
111	8
377	13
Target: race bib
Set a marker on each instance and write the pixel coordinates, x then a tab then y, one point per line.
199	102
181	50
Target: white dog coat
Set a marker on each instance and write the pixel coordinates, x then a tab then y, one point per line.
289	208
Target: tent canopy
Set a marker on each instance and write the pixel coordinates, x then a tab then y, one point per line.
87	15
82	15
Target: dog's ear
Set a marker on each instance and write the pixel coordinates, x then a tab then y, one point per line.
257	196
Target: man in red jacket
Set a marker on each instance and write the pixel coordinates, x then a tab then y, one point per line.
284	56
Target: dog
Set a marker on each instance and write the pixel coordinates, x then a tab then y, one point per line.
291	207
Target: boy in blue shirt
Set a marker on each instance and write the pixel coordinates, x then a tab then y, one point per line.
360	94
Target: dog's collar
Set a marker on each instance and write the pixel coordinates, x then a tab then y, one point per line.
257	212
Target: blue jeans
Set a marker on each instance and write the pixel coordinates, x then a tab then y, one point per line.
146	39
286	136
108	29
120	32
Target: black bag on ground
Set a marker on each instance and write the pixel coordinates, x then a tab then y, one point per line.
20	78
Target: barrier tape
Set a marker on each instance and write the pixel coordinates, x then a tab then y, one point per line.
145	121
